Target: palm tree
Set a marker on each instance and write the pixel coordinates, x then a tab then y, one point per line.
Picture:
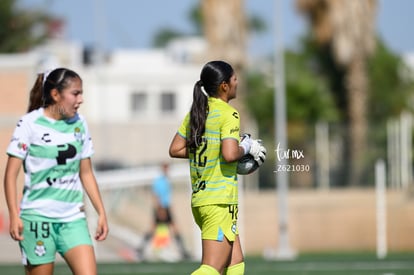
347	28
225	30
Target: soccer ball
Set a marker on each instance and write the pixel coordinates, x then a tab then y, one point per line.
246	165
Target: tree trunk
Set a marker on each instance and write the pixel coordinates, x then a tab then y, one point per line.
356	82
225	31
348	26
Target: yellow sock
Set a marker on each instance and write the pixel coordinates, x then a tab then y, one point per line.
237	269
205	270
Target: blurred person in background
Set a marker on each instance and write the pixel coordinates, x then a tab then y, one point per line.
209	137
162	216
53	145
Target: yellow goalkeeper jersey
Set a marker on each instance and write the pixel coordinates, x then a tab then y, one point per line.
214	181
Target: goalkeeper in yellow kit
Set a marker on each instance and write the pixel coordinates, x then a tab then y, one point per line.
209	137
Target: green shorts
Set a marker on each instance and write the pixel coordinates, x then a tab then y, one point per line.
217	221
43	239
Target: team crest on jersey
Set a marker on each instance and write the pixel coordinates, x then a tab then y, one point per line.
234	228
40	249
78	135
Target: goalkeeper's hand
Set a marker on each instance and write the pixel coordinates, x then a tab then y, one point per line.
258	151
246	143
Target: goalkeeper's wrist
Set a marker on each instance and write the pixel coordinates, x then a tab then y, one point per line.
245	147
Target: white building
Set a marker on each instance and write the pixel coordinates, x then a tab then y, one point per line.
136	99
135	102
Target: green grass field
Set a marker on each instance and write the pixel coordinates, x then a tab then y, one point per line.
311	264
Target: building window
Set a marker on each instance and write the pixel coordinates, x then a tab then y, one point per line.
139	102
167	102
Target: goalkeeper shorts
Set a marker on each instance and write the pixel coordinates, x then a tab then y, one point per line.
217	221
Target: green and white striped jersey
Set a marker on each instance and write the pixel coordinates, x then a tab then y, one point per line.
51	151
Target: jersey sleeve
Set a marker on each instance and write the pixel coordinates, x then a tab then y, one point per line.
231	126
87	148
183	130
20	141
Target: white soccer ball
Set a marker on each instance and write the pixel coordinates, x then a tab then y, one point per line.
246	165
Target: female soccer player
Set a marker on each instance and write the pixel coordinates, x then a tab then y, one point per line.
53	145
209	136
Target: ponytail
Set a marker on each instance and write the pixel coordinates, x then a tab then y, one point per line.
212	75
36	94
198	115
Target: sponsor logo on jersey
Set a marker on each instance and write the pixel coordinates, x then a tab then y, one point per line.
46	137
65	152
234	130
50	181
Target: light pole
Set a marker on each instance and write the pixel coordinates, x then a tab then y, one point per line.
284	251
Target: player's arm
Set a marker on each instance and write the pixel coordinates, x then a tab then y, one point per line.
231	150
178	147
91	187
10	189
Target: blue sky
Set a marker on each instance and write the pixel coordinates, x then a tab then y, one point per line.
132	23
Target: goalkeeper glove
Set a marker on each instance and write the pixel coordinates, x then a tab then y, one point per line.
258	151
246	143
